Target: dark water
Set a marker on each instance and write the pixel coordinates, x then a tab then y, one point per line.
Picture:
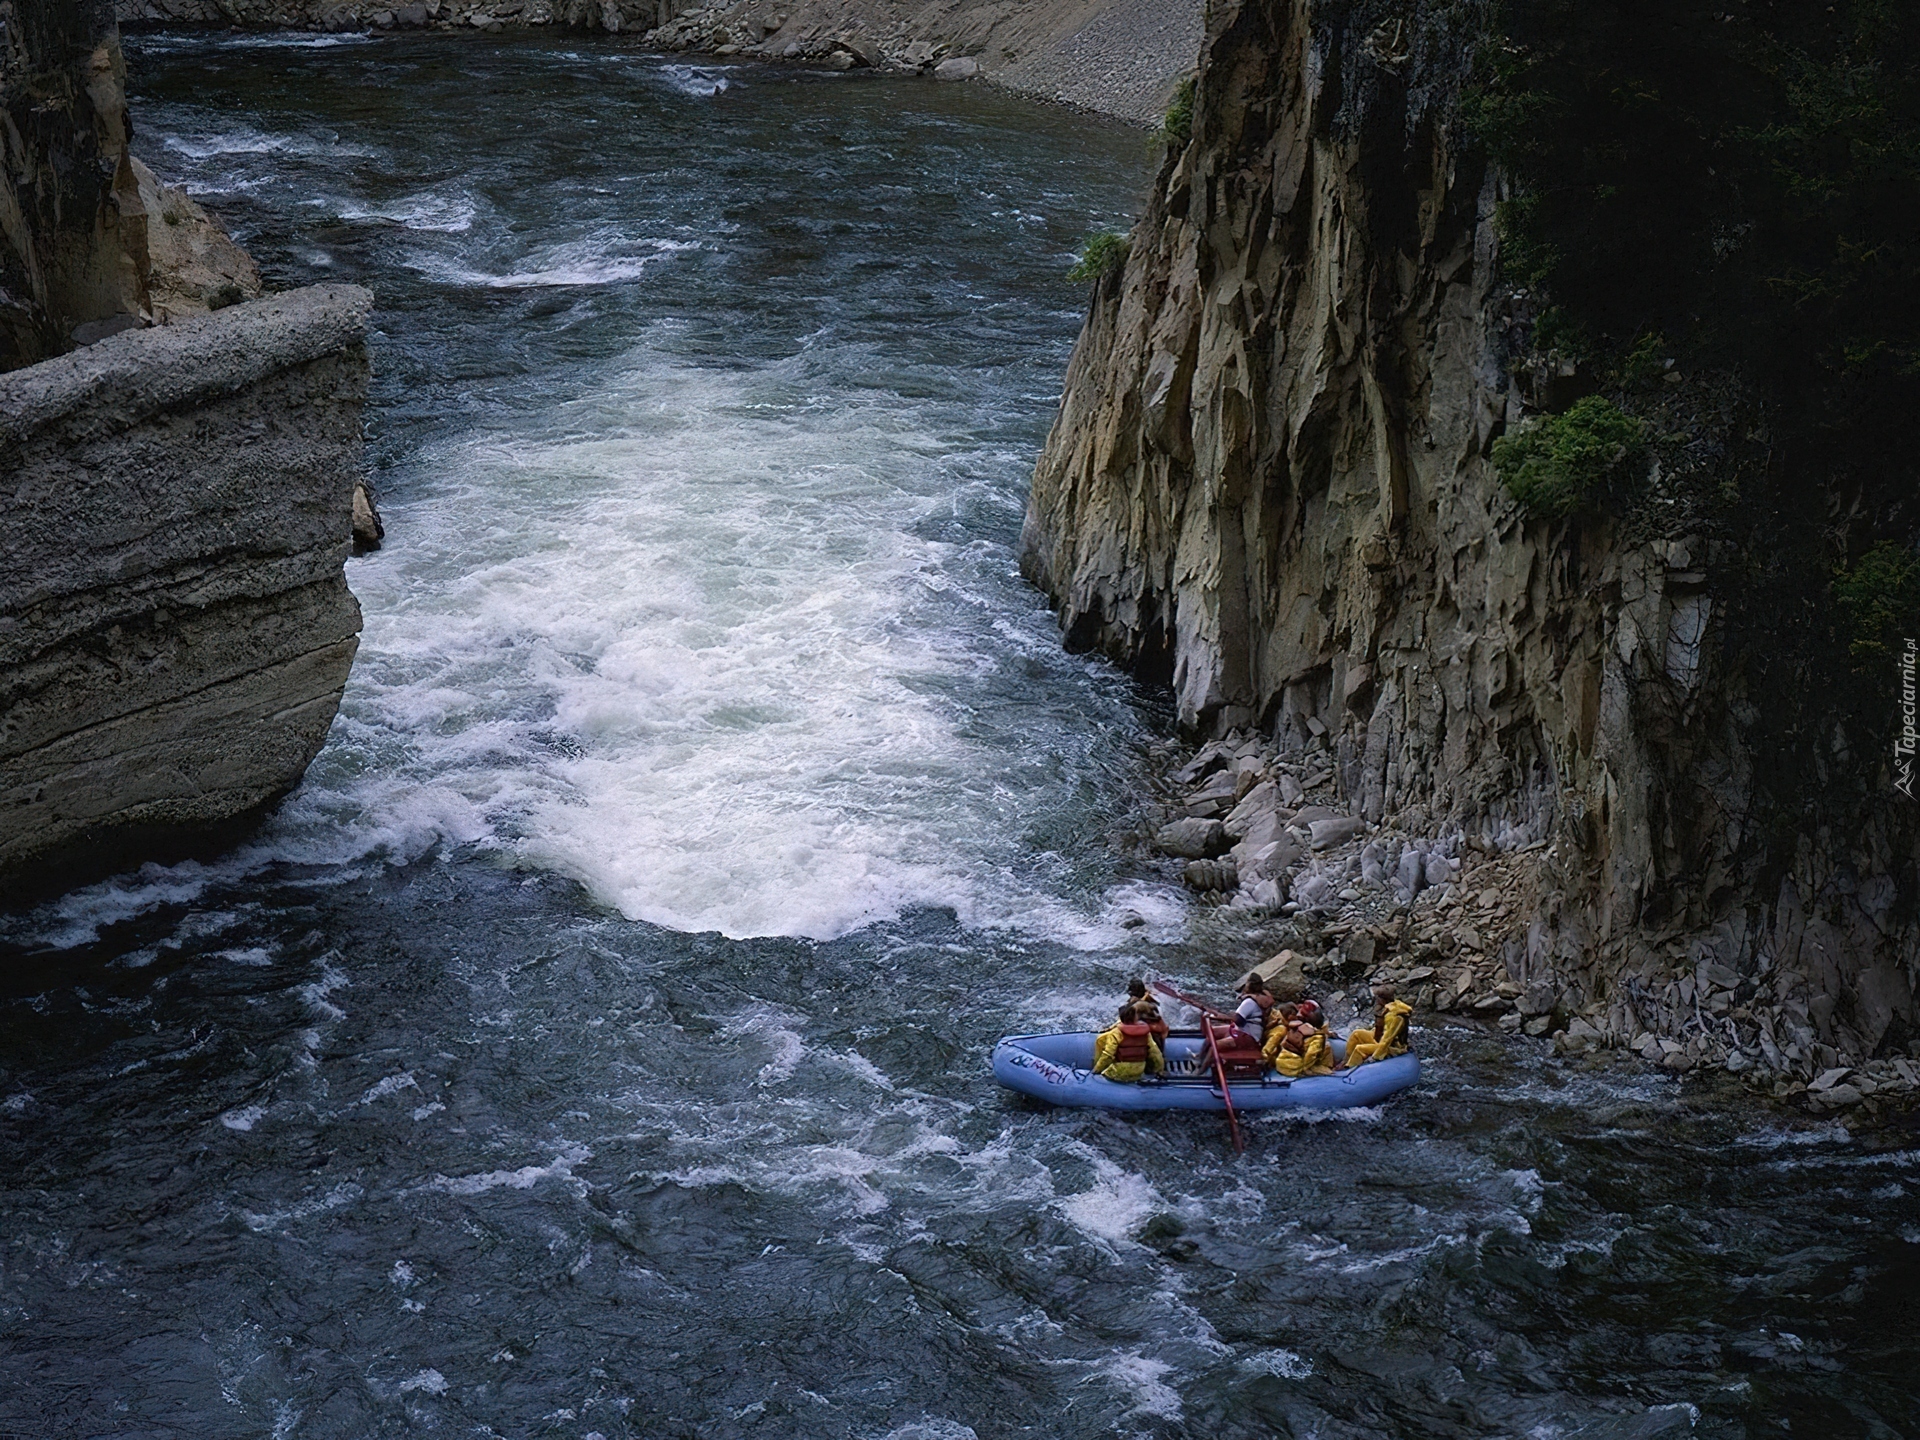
596	1044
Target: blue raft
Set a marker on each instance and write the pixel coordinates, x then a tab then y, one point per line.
1054	1068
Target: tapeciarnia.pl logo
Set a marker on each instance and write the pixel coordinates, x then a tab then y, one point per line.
1904	743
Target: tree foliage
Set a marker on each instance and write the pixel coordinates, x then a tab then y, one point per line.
1101	252
1562	462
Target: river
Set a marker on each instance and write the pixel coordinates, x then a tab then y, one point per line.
594	1046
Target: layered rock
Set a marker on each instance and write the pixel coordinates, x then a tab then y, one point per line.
1269	485
175	626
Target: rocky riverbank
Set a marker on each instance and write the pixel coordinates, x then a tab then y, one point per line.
1460	922
1109	56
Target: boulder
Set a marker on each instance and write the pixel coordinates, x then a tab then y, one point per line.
1211	757
1270	861
1410	874
957	68
1327	834
1193	839
1314	892
1538	999
1285	975
1262	799
1211	875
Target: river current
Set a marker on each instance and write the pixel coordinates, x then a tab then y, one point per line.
594	1045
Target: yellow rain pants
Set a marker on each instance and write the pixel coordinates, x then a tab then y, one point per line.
1362	1046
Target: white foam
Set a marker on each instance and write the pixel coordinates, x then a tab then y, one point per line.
344	1193
392	1085
686	645
243	141
431	1381
1281	1363
428	210
932	1428
1141	1379
1118	1203
700	81
244	1118
603	258
775	1027
524	1178
78	917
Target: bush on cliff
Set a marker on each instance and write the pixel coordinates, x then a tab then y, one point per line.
1177	127
1101	253
1562	462
1880	593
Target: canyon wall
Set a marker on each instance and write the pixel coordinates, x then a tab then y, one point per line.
1270	486
90	240
175	626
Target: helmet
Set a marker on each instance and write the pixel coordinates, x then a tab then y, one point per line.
1310	1011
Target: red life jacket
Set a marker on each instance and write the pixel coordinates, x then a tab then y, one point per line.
1132	1049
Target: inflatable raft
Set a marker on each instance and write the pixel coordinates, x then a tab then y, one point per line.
1054	1068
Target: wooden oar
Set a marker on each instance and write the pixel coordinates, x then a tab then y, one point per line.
1226	1097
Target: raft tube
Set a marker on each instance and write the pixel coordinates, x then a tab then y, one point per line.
1054	1068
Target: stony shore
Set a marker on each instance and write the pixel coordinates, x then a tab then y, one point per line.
1455	920
1107	56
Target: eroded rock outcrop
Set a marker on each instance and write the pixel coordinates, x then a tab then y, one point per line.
175	626
91	241
1269	485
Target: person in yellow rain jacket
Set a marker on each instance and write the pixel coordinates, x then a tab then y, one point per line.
1388	1034
1297	1043
1128	1050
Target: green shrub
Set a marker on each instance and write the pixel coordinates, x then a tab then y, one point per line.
1177	127
1562	462
1880	593
1101	253
1645	365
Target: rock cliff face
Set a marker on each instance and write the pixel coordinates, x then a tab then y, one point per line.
90	240
175	627
1269	485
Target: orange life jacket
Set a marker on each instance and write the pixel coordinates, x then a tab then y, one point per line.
1132	1049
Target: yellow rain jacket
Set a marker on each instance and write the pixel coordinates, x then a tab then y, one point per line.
1315	1059
1115	1043
1362	1046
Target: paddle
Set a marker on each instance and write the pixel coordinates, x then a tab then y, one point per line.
1226	1096
1200	1005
